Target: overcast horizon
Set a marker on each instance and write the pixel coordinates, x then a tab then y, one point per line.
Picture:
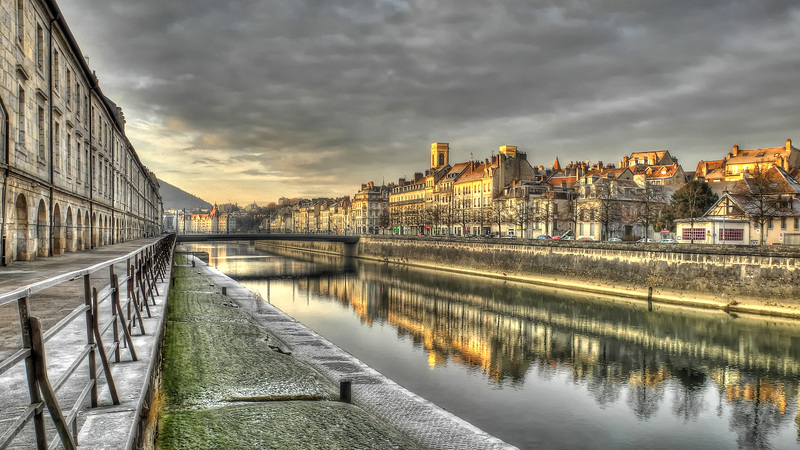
248	100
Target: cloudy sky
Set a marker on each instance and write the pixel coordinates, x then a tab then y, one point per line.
251	100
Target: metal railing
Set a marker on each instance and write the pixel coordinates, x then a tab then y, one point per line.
103	309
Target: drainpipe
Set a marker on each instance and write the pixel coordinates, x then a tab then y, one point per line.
5	188
90	112
51	228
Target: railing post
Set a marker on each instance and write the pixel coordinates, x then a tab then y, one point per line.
87	290
112	389
121	316
30	369
114	303
47	390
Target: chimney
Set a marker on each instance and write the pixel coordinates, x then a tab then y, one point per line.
735	150
788	145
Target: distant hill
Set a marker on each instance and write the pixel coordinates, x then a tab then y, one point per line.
176	198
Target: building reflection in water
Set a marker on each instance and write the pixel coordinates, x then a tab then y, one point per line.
616	351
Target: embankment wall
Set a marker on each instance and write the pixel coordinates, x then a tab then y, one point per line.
718	272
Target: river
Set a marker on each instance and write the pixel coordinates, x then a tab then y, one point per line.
543	368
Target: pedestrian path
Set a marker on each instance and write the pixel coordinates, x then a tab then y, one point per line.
114	422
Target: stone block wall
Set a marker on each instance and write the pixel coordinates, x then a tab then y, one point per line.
722	272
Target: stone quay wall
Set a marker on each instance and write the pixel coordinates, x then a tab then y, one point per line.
725	273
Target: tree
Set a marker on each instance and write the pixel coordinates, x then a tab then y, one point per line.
520	213
691	201
649	204
497	211
610	211
760	195
463	215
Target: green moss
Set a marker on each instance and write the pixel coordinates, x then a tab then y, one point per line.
216	357
318	425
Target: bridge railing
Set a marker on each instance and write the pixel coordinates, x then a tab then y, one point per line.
113	313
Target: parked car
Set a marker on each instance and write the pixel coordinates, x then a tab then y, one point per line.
614	240
667	241
543	236
508	236
646	240
555	238
587	238
568	238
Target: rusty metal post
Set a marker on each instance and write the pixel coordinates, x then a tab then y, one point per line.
47	390
30	369
345	391
87	289
114	302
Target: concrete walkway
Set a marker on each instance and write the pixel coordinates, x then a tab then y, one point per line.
108	425
302	411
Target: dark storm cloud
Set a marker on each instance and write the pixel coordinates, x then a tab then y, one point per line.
335	92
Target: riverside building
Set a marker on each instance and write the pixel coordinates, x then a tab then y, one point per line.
71	180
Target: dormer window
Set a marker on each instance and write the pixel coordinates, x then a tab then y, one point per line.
760	154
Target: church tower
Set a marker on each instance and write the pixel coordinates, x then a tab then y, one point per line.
440	154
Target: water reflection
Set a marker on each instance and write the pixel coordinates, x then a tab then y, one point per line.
691	366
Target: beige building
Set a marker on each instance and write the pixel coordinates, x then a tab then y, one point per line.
370	209
71	179
742	161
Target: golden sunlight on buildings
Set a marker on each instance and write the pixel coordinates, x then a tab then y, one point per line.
648	377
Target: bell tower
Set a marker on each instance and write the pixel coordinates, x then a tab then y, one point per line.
440	154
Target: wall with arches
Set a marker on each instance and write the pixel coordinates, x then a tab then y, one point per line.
71	180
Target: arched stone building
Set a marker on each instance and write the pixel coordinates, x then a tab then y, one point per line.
70	178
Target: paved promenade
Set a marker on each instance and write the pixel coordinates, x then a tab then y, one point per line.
291	404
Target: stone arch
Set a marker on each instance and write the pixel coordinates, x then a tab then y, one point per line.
70	230
78	230
41	230
87	231
106	231
95	233
59	233
21	252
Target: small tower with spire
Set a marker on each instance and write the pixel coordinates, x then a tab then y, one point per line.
557	165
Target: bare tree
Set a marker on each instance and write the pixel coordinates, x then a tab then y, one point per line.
463	215
609	209
761	197
498	211
520	213
649	203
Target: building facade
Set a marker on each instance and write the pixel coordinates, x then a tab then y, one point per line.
71	179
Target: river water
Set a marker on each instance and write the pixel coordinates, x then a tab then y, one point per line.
541	368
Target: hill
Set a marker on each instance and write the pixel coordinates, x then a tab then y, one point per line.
176	198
